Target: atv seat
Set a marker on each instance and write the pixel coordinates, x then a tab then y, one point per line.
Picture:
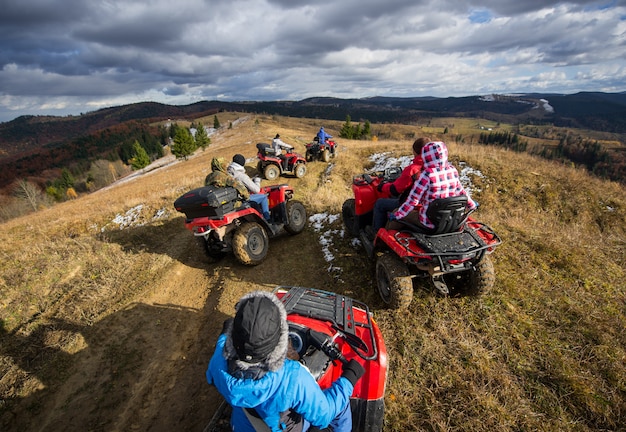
447	214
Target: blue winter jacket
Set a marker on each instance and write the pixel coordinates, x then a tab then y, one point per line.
291	386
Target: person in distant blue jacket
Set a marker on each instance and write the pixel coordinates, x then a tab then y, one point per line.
267	390
322	136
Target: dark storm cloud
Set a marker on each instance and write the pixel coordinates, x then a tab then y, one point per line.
74	56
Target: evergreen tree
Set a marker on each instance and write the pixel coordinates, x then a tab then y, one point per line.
346	130
67	179
216	122
202	139
140	158
184	144
367	129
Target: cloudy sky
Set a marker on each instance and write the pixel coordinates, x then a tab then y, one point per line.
64	57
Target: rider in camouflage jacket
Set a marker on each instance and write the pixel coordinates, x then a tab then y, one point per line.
220	178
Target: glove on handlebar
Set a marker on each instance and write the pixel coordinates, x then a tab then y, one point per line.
353	371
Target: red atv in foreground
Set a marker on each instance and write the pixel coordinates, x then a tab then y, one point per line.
454	257
320	151
271	166
326	329
222	223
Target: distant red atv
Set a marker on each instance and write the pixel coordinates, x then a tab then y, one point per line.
220	226
320	151
271	166
454	257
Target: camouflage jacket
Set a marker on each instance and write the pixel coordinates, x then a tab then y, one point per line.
220	178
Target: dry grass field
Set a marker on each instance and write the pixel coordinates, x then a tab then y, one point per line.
109	313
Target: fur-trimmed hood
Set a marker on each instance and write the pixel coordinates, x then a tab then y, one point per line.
276	358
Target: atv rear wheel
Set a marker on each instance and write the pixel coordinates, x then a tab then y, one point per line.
300	170
326	155
308	156
348	211
296	217
482	277
394	281
250	244
271	172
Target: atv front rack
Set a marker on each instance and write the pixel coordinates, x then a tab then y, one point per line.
336	309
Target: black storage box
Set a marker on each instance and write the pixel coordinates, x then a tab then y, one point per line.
265	149
207	201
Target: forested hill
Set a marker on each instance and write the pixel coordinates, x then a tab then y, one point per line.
597	111
30	145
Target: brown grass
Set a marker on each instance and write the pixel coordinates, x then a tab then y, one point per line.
545	350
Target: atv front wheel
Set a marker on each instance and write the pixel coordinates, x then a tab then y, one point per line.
300	170
394	281
482	277
348	211
250	244
271	172
296	217
326	156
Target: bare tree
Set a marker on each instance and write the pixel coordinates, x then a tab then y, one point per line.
29	192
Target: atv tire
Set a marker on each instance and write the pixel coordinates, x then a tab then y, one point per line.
296	217
308	156
326	156
250	244
300	170
482	277
394	281
271	172
348	211
212	253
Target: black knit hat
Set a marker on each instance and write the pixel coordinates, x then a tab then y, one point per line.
256	329
239	159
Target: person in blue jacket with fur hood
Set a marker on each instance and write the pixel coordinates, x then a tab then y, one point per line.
268	391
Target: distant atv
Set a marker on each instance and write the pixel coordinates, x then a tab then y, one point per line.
222	223
271	167
320	151
453	257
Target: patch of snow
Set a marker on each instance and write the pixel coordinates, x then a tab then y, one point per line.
320	223
161	214
129	219
546	106
487	98
466	181
383	161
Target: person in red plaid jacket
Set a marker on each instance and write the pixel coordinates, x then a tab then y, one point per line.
438	179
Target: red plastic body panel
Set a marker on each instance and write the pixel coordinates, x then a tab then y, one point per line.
372	385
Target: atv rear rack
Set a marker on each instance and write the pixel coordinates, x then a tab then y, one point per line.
460	245
334	308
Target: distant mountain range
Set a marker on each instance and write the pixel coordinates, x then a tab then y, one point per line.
31	136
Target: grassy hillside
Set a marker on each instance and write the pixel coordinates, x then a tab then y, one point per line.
109	313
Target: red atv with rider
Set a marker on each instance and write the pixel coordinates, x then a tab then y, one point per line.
320	151
271	166
454	257
327	330
221	222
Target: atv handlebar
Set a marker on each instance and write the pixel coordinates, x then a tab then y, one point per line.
327	345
